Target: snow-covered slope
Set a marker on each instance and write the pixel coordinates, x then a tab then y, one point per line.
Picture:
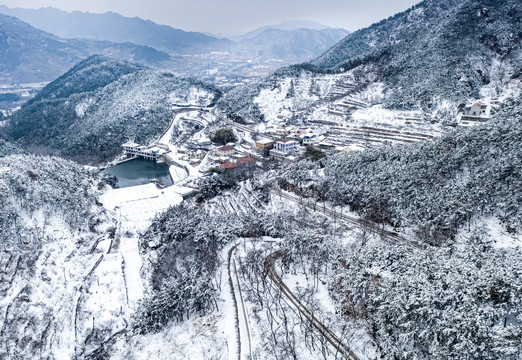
101	103
50	224
430	58
69	266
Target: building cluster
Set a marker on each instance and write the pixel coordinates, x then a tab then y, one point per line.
291	143
227	157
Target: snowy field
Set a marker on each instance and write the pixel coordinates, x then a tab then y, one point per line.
136	206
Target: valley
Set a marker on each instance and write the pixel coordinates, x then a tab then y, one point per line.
233	202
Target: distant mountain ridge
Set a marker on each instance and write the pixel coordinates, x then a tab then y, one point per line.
292	45
23	49
117	28
285	25
286	43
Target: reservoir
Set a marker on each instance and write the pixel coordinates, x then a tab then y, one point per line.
140	171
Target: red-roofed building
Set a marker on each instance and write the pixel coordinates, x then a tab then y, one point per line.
246	161
228	166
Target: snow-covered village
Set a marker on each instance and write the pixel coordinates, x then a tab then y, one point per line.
228	181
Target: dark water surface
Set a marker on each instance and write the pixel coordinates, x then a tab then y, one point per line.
139	172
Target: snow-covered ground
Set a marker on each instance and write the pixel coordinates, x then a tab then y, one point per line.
199	338
302	284
75	287
177	174
136	206
194	97
212	336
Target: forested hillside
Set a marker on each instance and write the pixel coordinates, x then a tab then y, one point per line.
435	55
436	50
455	302
434	187
182	248
41	194
8	148
456	295
89	112
51	223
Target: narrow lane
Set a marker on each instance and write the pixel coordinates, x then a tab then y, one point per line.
244	341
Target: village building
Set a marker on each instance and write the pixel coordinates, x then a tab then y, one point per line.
326	145
130	146
475	113
196	154
204	142
228	165
283	150
309	139
155	152
225	150
246	162
476	109
286	146
264	144
280	132
277	130
297	134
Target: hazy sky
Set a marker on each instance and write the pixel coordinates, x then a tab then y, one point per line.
235	16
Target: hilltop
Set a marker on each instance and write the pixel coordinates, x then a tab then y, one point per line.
429	58
87	113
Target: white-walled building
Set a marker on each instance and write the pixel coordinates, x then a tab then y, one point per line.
286	146
196	155
476	109
147	152
309	139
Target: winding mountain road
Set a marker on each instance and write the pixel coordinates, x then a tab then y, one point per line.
337	344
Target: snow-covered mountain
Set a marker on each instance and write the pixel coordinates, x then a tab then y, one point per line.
431	57
395	251
89	112
23	47
436	50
